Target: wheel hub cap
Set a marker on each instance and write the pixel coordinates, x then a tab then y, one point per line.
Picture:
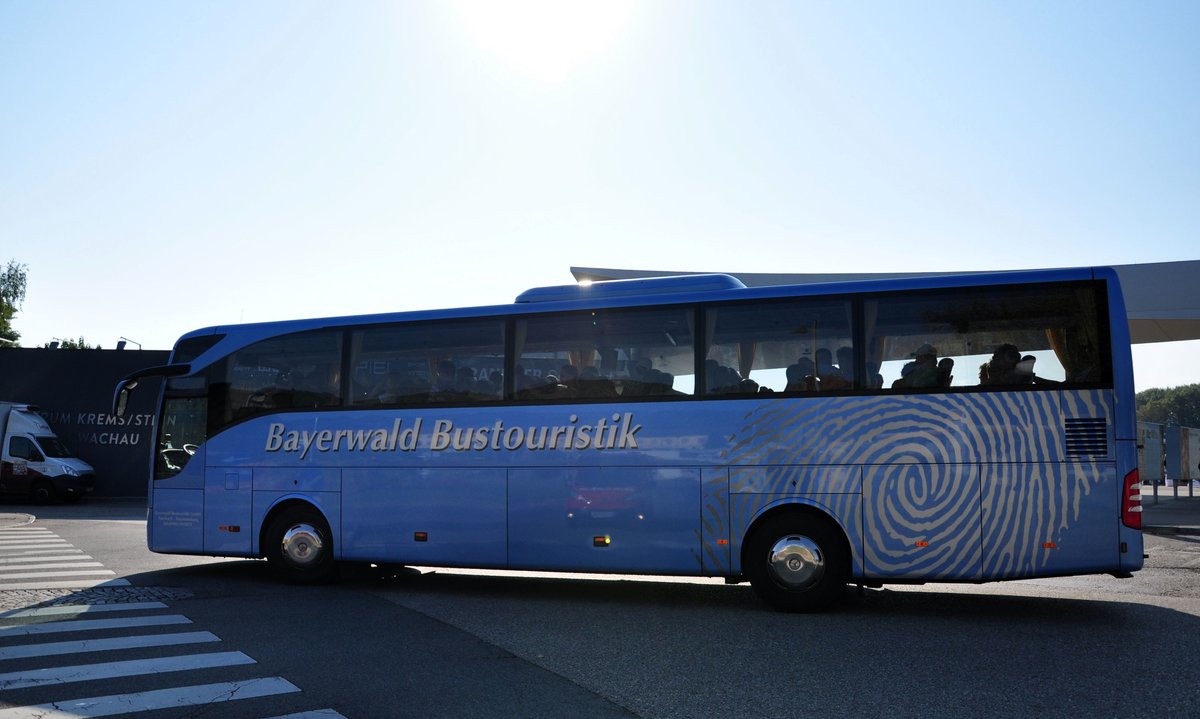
797	562
302	545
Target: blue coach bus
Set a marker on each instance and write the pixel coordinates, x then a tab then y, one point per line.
953	429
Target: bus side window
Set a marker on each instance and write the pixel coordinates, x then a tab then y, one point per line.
794	346
300	371
642	353
1004	338
453	361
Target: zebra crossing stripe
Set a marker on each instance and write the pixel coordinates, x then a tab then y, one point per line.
113	670
48	575
66	565
80	609
152	700
315	714
90	625
39	558
53	649
35	544
66	584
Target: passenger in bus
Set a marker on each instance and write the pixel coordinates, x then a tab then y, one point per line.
1001	369
591	384
922	371
1026	373
830	376
1025	368
553	388
722	379
945	372
660	383
801	376
568	374
748	386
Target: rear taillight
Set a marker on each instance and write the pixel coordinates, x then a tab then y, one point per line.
1131	501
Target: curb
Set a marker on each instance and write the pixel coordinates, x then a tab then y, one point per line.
1170	531
12	519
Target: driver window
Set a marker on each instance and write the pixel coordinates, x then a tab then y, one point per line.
24	448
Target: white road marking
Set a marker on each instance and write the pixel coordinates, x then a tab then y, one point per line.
88	625
80	609
71	573
42	558
52	649
112	670
66	584
152	700
60	565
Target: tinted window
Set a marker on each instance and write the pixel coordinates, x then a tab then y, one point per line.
1019	336
24	448
290	372
460	361
759	348
606	353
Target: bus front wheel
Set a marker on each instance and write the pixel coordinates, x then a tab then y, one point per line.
299	546
797	562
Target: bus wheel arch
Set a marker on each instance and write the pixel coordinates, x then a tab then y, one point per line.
298	543
797	558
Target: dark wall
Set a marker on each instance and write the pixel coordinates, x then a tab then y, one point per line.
74	389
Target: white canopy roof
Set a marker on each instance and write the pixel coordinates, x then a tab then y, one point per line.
1162	299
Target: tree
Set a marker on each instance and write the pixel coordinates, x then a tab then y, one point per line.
12	294
1175	406
79	344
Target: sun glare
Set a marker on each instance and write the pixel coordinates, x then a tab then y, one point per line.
544	39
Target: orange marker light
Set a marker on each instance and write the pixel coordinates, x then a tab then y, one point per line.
1049	545
722	542
921	543
601	541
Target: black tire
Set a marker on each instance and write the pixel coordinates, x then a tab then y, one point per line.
797	562
299	546
42	492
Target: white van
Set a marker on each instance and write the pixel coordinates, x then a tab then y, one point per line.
35	463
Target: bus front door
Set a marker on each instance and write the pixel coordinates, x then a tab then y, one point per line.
227	527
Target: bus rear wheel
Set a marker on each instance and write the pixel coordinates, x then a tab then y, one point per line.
797	562
299	546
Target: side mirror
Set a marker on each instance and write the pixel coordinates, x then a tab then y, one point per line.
121	398
125	386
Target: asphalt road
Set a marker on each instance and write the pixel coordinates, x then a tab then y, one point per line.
463	644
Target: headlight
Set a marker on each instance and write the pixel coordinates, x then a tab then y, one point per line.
70	471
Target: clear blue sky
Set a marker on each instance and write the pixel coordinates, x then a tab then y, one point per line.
168	166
